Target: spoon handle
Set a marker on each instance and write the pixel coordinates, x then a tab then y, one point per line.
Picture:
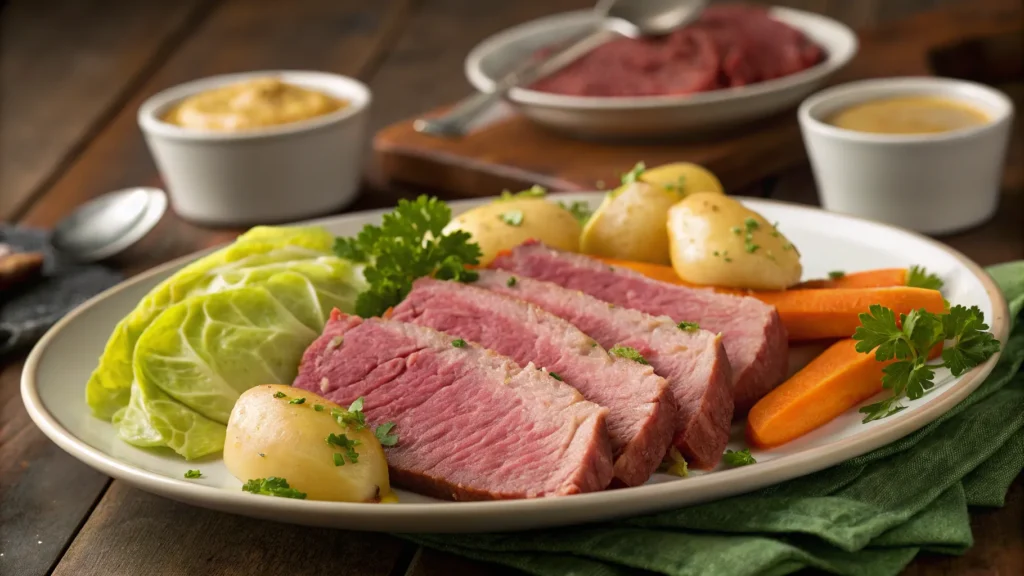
456	121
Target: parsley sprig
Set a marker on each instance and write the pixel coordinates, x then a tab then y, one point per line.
384	435
408	245
273	486
918	277
907	344
738	457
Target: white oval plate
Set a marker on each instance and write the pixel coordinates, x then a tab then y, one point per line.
56	371
653	116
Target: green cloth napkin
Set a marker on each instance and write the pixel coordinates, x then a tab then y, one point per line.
869	515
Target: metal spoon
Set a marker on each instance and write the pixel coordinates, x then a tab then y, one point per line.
109	224
631	18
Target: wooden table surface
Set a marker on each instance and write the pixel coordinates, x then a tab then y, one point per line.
72	75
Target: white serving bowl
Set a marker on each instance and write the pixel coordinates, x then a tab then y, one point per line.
652	116
271	174
933	183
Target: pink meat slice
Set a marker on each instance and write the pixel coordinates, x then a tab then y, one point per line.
754	337
472	424
693	362
641	409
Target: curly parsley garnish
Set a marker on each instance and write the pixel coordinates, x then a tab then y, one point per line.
384	435
628	353
273	486
738	458
193	474
918	277
408	244
908	343
689	326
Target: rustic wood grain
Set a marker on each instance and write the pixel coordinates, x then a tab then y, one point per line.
131	533
65	67
484	162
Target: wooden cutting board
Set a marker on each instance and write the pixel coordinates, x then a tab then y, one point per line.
512	153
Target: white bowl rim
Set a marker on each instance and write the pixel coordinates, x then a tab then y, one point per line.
875	88
350	89
834	61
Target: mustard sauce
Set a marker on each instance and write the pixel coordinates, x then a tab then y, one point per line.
910	115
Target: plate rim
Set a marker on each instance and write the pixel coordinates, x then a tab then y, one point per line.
528	512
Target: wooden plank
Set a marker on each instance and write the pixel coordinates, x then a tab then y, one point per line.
45	494
65	68
132	532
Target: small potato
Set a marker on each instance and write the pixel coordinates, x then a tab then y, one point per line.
630	224
683	178
716	241
269	436
505	224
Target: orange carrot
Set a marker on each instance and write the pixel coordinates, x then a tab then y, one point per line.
811	314
814	314
831	384
880	278
837	380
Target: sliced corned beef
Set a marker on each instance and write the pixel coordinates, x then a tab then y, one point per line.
641	409
755	340
693	362
472	424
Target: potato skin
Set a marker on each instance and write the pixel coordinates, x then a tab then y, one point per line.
541	220
716	241
630	224
683	178
267	436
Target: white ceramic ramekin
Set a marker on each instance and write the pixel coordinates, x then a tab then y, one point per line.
932	183
272	174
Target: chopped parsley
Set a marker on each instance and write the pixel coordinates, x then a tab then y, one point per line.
339	460
193	474
580	211
736	230
628	353
738	458
909	341
555	376
278	394
384	435
511	281
273	486
634	174
750	247
352	417
674	464
512	217
689	326
408	244
349	446
836	274
458	343
918	277
534	191
297	401
750	225
678	187
318	407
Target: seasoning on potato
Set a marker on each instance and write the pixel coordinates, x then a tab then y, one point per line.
716	241
683	178
321	450
507	223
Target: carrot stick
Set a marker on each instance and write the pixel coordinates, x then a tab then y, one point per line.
880	278
814	314
831	384
811	314
837	380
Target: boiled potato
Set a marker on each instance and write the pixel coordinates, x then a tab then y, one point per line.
505	224
717	241
270	436
630	224
683	178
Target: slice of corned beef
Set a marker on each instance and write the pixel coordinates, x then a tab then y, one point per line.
754	338
693	362
641	409
472	425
